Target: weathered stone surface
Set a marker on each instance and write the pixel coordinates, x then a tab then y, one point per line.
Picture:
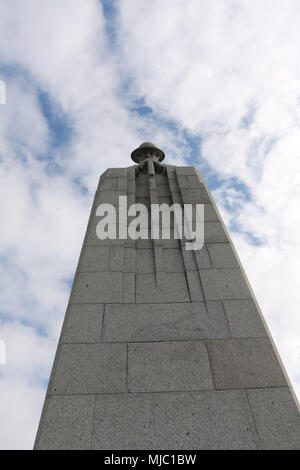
165	200
90	368
83	324
163	190
122	183
102	258
222	255
224	283
244	319
108	184
145	261
116	258
173	186
175	366
210	214
194	196
171	242
142	190
68	423
144	243
95	258
92	238
185	170
129	259
189	182
214	232
98	288
173	260
109	197
128	288
152	328
185	420
276	418
117	172
202	258
244	363
163	322
195	288
195	259
131	187
171	287
161	179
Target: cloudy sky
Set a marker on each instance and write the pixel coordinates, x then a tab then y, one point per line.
215	83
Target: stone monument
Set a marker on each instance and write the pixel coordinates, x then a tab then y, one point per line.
164	347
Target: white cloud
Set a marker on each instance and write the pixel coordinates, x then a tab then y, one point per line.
28	357
227	71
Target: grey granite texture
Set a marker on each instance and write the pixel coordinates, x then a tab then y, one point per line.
161	347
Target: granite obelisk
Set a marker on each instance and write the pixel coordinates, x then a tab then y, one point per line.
163	347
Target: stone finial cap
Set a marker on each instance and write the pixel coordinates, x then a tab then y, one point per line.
145	150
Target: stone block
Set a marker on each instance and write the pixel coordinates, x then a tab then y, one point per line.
169	243
189	260
83	324
203	420
176	198
142	190
132	172
189	182
116	258
160	179
109	197
244	363
164	322
129	259
128	288
143	244
93	240
117	172
244	319
195	196
195	288
170	287
210	214
171	173
277	418
175	366
142	178
97	288
145	201
172	260
122	183
131	187
163	190
108	184
173	186
222	255
67	423
185	170
214	232
95	258
165	200
224	283
202	258
145	261
89	368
